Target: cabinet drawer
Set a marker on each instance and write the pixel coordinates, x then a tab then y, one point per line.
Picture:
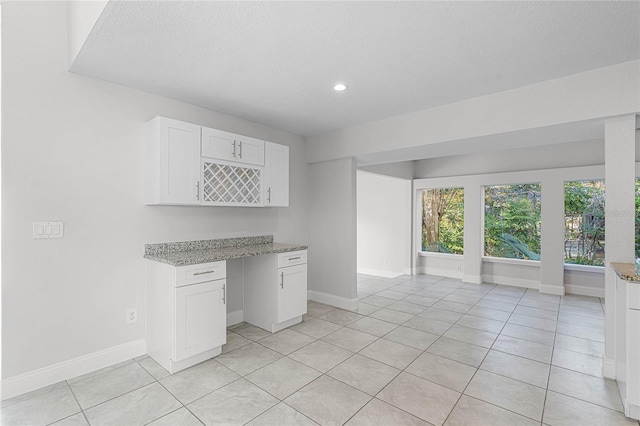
292	258
192	274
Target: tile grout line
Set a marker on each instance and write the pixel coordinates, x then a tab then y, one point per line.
478	369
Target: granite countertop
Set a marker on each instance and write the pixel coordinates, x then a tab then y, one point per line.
204	251
626	271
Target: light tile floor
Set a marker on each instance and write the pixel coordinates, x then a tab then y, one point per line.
419	350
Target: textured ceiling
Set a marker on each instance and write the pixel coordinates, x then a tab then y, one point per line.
276	62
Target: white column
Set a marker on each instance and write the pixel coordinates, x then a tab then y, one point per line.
552	240
332	233
473	234
619	136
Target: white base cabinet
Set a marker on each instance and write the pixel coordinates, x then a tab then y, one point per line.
275	290
185	313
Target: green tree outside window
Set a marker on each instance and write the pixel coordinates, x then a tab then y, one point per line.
443	220
512	221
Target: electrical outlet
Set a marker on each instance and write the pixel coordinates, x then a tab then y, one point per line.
132	316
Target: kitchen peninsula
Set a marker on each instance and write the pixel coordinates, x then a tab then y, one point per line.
627	337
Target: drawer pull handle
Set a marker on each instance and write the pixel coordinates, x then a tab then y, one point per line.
234	149
204	272
282	277
224	294
240	149
294	258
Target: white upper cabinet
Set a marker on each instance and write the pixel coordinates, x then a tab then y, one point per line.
276	175
192	165
231	147
173	164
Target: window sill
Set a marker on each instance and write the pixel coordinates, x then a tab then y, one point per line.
530	263
584	268
440	255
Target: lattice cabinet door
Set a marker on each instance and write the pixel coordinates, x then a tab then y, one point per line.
225	184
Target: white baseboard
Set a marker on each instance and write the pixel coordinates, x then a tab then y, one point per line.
379	272
473	279
584	290
608	368
631	410
55	373
330	299
558	290
514	282
441	272
235	317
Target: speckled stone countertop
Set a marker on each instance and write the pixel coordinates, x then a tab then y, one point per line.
626	271
204	251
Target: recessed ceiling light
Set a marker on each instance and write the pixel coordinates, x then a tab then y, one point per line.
340	87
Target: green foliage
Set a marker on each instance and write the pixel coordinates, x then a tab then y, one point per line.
443	220
584	211
512	210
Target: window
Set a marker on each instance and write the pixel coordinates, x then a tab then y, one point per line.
443	220
584	222
512	221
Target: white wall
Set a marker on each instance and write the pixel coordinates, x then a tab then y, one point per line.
585	280
73	151
332	233
441	264
384	225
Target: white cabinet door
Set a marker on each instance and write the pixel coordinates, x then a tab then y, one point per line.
219	144
276	175
250	151
231	147
292	292
174	163
200	318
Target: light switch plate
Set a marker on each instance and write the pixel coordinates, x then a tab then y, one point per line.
48	230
